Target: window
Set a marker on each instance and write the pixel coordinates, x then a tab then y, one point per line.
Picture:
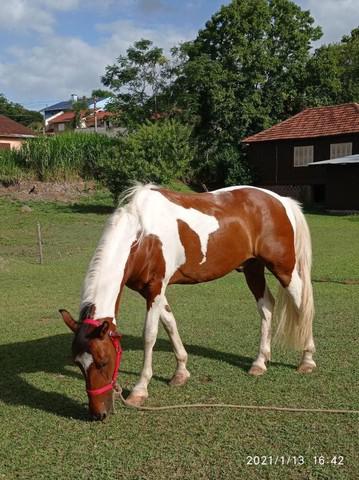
338	150
303	155
61	127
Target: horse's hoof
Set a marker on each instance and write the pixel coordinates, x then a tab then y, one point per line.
136	399
256	371
179	379
306	368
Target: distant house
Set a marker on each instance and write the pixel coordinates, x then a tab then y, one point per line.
13	134
66	121
281	156
61	116
58	109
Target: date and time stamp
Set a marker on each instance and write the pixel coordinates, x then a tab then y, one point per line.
294	460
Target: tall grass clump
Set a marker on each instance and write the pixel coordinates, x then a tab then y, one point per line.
64	157
10	171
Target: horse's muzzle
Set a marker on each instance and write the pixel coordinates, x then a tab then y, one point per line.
99	416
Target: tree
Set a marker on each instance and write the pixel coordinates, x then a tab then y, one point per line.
17	112
100	94
246	67
136	80
80	107
244	72
333	73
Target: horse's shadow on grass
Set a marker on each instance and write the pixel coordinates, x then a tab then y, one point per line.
51	356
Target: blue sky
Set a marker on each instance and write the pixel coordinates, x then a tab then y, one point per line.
53	48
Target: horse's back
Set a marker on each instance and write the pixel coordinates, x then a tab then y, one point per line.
204	236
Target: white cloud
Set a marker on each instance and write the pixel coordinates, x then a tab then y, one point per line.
25	16
336	17
59	66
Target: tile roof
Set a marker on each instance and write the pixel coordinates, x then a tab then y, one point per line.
63	118
313	122
90	119
10	128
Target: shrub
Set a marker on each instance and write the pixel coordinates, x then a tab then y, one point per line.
156	152
221	165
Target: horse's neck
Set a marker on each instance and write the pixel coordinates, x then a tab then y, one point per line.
106	271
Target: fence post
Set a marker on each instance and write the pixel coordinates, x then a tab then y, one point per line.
39	241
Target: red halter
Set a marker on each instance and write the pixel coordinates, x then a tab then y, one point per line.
115	338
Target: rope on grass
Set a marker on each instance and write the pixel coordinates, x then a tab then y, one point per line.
271	408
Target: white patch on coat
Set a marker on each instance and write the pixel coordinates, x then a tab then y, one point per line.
158	216
86	360
285	201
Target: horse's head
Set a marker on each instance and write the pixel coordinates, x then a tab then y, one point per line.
96	350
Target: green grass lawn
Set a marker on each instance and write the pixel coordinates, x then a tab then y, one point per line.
45	432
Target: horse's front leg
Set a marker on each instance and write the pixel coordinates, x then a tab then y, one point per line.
139	393
168	320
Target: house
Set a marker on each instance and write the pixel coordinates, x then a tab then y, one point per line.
53	112
281	156
66	121
58	109
61	122
13	134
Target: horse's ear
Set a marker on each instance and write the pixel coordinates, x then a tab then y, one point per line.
102	329
70	322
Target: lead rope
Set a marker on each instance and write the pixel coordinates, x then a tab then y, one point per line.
233	406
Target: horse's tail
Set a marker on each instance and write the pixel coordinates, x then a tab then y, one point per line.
294	310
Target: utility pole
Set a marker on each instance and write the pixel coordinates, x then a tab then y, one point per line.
95	112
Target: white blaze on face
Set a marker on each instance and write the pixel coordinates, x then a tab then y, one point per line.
85	360
160	216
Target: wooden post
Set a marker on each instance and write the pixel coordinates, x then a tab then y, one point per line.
39	241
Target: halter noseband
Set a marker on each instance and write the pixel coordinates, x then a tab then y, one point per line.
115	338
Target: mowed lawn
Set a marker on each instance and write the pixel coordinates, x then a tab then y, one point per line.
44	428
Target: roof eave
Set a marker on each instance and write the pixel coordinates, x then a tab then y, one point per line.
16	135
304	137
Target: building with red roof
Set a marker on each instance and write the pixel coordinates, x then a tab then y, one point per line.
13	134
66	121
306	156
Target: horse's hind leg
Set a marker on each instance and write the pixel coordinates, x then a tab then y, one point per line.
254	273
168	320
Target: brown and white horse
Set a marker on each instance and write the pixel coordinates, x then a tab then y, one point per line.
162	237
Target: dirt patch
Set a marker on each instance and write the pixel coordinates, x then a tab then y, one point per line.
46	191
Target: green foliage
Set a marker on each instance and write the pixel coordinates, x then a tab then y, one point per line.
220	165
17	112
243	73
333	73
156	152
136	78
99	93
61	157
79	107
245	68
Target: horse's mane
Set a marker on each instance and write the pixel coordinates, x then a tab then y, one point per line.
127	209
